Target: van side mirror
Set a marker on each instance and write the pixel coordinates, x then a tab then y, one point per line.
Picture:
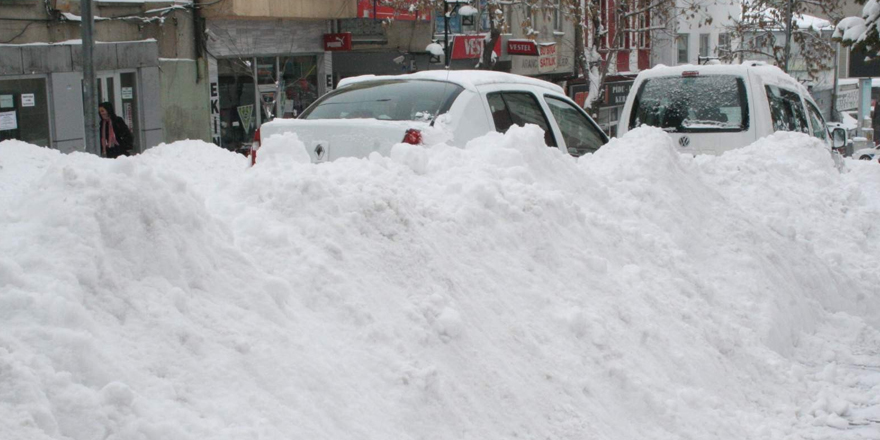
838	136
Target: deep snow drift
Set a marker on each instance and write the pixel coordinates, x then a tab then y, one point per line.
500	291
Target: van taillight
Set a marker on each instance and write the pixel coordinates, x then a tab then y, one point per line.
413	137
255	145
690	73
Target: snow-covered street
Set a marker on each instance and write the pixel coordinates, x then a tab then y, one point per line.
500	291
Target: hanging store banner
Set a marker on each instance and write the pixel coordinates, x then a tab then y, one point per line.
522	47
471	46
377	10
616	93
214	103
546	57
579	93
337	42
848	99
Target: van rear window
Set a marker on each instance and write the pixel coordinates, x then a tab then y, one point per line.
692	104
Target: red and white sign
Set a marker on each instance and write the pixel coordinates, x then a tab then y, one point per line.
337	42
471	46
522	47
375	9
546	57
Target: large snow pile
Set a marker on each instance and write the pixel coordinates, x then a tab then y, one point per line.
500	291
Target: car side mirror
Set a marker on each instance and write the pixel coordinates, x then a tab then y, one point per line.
838	136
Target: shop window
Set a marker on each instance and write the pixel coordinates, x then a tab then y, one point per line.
299	84
704	45
24	111
681	42
128	111
723	43
237	102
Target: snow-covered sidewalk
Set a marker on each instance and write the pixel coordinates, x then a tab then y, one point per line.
500	291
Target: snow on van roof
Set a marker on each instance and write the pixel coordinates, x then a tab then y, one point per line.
768	73
469	79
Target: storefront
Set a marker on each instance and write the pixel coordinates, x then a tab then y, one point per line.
260	70
615	91
24	110
41	90
549	61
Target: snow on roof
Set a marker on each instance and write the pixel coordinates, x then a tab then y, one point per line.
469	79
803	21
808	21
79	42
768	73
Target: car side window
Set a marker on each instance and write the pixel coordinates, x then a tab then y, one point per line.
580	135
519	108
818	123
500	115
786	110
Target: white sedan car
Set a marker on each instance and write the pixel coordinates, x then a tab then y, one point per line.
370	113
867	154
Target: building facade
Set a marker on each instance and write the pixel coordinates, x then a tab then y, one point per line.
41	70
266	59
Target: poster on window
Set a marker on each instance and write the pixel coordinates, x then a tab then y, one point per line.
8	121
246	115
127	111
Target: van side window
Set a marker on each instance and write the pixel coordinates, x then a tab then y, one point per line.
786	110
580	135
818	123
519	108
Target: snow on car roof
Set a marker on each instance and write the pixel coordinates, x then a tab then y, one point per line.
769	74
469	79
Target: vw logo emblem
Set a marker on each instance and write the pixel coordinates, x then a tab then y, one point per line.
684	141
319	151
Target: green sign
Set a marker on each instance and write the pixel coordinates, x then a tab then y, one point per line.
246	114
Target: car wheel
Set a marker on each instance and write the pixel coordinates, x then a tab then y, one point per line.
865	157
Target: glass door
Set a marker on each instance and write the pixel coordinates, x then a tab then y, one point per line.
108	90
128	97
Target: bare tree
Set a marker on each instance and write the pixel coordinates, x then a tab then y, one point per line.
603	35
600	35
780	30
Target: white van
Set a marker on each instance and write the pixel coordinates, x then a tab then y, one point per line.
714	108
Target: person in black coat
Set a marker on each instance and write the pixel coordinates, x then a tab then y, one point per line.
116	138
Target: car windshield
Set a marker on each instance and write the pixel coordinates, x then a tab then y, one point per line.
391	100
692	104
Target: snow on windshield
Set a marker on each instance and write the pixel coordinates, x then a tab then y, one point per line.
498	291
692	104
390	100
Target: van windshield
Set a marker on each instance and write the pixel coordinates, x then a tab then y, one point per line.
690	104
390	100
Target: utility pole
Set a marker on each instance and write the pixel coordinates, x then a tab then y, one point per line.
788	18
446	32
88	50
833	114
